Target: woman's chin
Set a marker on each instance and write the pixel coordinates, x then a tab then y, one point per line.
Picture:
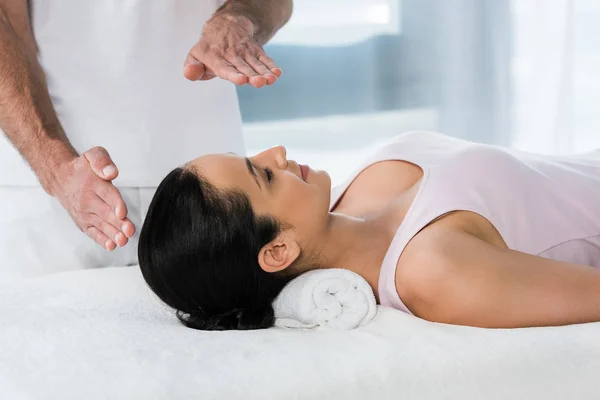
320	178
324	184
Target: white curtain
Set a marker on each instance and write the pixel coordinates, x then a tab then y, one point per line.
542	75
555	78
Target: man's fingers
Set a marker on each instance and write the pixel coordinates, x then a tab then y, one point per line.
213	65
266	60
194	72
225	70
100	238
128	228
254	78
122	226
207	75
106	213
101	163
111	196
109	230
193	69
261	69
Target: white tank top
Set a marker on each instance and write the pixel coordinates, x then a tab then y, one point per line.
115	74
541	205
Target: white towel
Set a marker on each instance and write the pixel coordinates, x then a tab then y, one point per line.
334	299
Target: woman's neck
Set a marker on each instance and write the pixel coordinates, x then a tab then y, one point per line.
356	244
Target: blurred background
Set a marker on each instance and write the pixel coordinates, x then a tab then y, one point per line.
518	73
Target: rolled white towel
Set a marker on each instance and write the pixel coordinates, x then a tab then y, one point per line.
334	299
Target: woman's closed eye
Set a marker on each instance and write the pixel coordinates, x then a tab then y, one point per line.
269	174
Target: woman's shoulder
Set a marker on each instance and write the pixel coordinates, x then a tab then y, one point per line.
430	261
423	255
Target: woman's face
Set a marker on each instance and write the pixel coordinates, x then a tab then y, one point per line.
294	194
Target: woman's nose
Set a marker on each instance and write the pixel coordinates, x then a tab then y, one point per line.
276	155
280	156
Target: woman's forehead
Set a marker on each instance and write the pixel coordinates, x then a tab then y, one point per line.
213	161
224	170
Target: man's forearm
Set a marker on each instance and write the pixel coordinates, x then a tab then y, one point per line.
27	115
267	16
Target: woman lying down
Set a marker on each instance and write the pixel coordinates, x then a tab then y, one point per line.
444	229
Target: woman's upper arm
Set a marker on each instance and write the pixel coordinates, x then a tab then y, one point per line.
454	277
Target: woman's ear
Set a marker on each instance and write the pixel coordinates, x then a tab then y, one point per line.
280	253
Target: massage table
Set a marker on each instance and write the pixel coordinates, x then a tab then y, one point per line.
102	334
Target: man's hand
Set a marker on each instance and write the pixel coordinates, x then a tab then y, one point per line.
227	49
83	187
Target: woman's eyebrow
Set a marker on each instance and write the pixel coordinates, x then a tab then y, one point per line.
252	172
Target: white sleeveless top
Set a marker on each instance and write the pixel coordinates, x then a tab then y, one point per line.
115	74
541	205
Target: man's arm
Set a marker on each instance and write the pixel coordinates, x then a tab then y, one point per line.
81	183
27	116
268	16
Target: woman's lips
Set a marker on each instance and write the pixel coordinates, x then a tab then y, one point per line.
304	171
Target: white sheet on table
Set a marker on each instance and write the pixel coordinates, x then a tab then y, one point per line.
100	334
